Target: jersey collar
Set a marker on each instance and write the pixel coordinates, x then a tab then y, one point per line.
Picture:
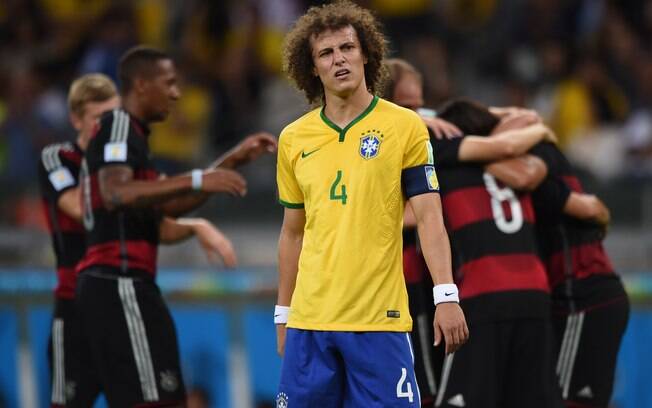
342	132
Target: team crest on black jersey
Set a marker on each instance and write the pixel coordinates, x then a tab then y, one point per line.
370	144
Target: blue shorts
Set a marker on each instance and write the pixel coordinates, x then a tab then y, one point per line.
323	369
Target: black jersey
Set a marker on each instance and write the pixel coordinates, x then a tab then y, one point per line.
491	229
58	173
570	248
124	239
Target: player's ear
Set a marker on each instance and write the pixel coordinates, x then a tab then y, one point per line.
140	85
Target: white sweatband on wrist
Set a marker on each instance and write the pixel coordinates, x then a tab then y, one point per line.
281	314
445	293
197	178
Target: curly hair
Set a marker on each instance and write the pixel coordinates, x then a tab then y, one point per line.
297	51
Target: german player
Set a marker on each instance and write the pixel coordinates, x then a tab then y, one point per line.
130	330
344	172
590	307
504	287
74	381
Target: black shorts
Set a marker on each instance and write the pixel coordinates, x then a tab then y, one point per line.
505	364
73	380
587	341
133	339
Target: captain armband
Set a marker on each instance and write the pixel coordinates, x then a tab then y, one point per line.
419	180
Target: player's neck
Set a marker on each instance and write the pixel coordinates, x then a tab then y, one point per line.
82	142
342	110
131	105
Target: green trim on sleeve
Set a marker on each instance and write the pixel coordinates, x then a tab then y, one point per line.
290	205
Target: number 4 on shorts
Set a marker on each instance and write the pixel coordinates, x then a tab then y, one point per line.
399	387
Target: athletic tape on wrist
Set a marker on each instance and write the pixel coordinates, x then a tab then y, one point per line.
444	293
197	178
281	314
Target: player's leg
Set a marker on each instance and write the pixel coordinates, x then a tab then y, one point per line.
470	376
379	369
132	341
82	379
528	368
312	372
589	362
56	355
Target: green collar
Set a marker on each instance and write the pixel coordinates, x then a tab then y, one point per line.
342	132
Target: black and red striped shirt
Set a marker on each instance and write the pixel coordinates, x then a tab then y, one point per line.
491	230
58	173
124	240
570	248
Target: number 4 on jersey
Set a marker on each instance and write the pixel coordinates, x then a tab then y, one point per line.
342	196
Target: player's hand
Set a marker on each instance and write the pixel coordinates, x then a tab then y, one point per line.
441	128
451	325
248	150
281	329
215	244
224	181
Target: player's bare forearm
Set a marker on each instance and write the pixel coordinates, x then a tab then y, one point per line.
504	145
523	173
172	232
432	236
70	203
587	207
118	188
174	195
250	149
289	249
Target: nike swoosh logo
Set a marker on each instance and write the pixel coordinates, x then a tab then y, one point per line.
304	154
277	315
448	294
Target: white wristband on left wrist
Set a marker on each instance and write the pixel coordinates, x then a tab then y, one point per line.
281	314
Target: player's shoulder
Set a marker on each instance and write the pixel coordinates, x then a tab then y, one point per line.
298	125
394	111
55	155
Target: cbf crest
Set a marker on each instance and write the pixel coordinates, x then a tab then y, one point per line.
282	400
370	144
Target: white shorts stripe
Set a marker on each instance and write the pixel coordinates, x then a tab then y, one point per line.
573	355
564	343
58	371
138	336
416	384
565	354
446	372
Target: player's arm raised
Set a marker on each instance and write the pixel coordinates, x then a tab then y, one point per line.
449	319
118	188
289	248
523	173
508	144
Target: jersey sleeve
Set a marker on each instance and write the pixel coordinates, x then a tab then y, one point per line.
548	153
418	175
55	175
418	151
550	198
289	192
447	151
116	142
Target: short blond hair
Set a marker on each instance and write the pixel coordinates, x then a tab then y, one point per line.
90	88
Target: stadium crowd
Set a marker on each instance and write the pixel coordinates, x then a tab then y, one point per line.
583	64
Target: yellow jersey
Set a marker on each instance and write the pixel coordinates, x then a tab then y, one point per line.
348	180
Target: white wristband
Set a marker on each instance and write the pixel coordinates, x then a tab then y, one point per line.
445	293
197	178
281	314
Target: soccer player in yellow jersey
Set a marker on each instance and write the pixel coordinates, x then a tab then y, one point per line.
344	173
